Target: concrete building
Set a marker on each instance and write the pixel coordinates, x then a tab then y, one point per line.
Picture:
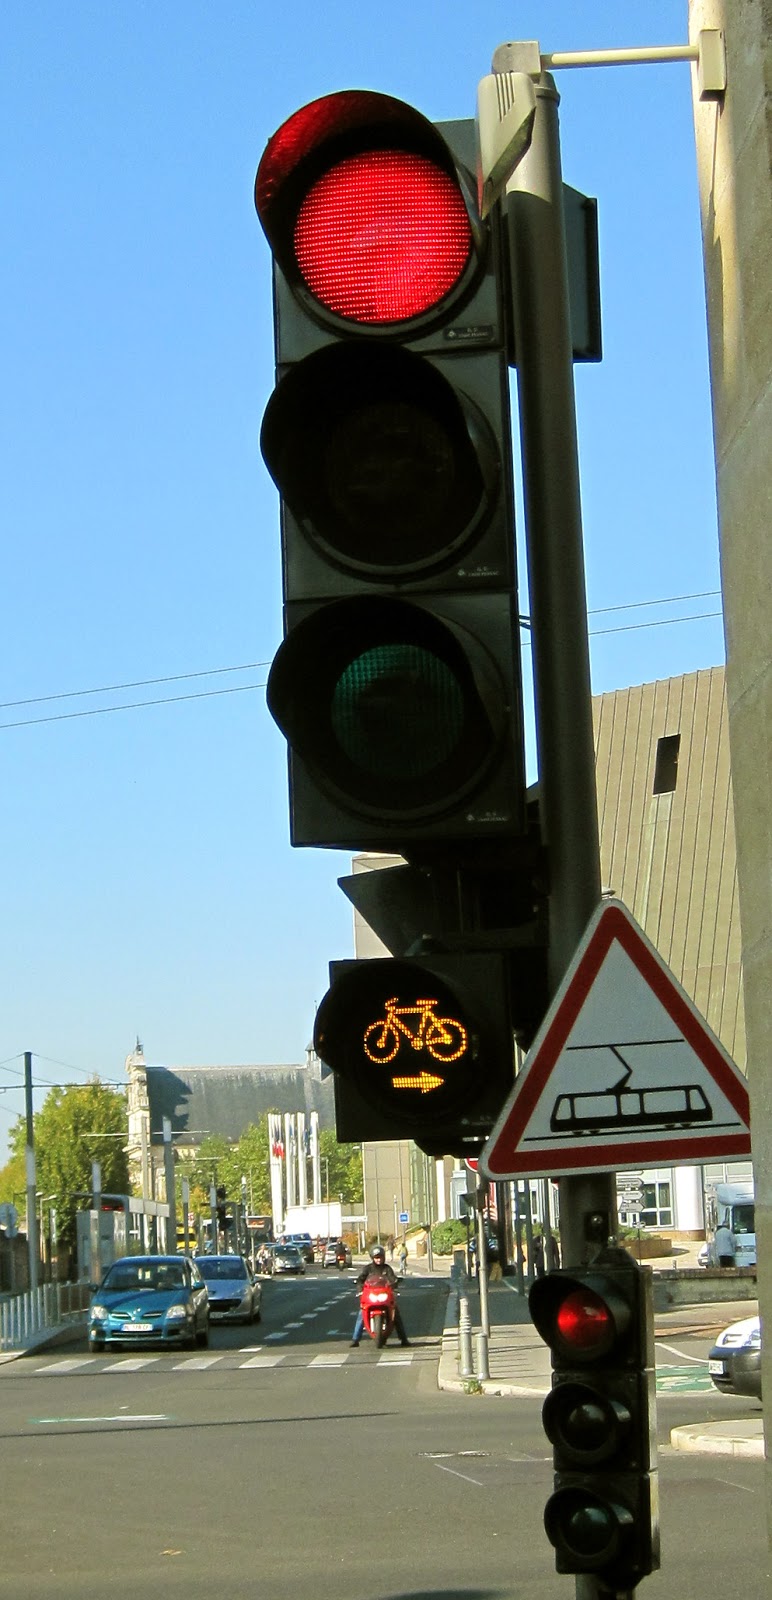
666	824
734	170
200	1101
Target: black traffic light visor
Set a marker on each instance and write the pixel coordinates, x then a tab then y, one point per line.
594	1532
404	1035
587	1426
366	211
390	471
396	711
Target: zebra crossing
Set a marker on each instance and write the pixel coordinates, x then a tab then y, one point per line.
250	1359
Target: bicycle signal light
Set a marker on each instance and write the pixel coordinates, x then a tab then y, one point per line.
600	1418
417	1045
443	1038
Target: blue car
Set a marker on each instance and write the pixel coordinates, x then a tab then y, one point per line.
150	1300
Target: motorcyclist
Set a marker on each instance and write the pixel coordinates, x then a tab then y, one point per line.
378	1270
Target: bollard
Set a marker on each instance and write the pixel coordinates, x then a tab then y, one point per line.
465	1366
483	1369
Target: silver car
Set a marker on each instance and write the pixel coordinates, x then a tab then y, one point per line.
234	1294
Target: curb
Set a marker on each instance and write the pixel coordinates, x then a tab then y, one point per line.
724	1439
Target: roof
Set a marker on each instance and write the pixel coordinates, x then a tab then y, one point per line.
224	1100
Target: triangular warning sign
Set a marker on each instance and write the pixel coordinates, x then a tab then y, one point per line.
624	1071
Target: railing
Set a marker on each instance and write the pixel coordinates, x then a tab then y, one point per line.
53	1305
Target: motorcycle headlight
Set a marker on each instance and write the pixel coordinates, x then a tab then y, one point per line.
378	1299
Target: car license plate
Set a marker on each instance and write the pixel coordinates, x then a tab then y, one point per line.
137	1327
716	1366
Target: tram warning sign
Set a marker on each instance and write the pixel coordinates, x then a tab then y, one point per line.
623	1073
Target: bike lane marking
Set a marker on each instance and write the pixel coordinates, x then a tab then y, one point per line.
683	1380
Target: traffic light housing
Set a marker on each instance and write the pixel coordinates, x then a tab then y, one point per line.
421	1048
397	685
600	1417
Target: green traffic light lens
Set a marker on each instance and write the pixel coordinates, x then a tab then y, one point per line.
590	1530
397	712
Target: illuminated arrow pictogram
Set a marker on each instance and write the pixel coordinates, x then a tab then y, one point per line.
423	1081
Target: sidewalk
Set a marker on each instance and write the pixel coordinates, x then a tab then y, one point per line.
519	1361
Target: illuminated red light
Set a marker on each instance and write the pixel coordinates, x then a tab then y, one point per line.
382	236
584	1321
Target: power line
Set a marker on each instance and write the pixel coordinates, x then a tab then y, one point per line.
250	688
135	705
136	683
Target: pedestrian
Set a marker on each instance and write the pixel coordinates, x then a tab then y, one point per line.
403	1258
391	1242
553	1253
725	1245
538	1256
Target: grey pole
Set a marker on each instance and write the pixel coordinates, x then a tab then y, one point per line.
171	1221
32	1204
561	659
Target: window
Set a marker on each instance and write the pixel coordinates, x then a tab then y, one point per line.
657	1207
666	765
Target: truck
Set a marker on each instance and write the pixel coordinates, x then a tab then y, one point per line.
732	1204
322	1221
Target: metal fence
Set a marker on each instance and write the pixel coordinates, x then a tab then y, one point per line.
53	1305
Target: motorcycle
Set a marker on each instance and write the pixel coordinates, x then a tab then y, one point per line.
340	1260
378	1304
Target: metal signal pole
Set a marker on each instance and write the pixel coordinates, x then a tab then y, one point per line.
566	754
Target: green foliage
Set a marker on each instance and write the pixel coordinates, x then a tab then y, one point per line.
216	1161
345	1168
223	1164
448	1235
74	1127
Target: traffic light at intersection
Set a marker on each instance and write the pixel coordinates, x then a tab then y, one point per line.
421	1049
600	1418
397	684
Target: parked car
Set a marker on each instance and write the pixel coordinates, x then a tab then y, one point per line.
331	1248
734	1362
287	1258
234	1294
302	1241
156	1300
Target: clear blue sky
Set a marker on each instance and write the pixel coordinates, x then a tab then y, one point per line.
148	884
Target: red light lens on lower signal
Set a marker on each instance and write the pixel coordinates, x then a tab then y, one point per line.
584	1322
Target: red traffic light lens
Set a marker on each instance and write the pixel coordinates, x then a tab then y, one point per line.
584	1322
382	236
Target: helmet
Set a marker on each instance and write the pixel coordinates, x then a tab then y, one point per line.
378	1253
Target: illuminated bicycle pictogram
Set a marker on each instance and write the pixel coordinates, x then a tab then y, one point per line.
444	1038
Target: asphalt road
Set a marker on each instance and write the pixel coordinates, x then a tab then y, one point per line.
282	1464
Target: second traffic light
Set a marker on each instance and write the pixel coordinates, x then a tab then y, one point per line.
421	1048
397	685
600	1417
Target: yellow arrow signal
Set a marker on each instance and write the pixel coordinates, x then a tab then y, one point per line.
423	1081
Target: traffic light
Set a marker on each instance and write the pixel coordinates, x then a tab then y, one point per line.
397	684
600	1418
421	1048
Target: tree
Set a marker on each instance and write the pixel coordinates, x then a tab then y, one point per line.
74	1127
345	1167
224	1164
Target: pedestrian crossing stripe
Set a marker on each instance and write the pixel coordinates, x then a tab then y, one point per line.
255	1361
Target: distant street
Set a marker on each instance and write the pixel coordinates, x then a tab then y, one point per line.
281	1463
